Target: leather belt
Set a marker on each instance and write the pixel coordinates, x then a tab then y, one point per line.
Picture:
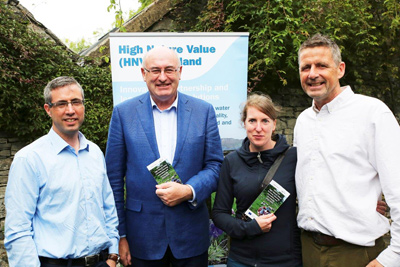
325	240
87	261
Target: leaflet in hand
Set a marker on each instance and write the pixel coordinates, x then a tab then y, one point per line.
163	171
269	200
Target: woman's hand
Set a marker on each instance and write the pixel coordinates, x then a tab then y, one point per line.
381	207
265	222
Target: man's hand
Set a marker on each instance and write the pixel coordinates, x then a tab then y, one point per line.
374	263
172	194
381	207
124	253
265	222
111	263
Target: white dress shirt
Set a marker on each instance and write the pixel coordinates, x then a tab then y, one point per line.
348	154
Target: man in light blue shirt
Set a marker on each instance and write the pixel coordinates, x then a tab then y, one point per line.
60	206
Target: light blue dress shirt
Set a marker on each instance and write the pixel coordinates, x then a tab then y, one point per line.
166	127
165	124
59	203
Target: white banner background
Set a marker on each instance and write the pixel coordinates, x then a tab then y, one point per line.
214	68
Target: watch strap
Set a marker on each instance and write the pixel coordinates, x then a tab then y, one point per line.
114	257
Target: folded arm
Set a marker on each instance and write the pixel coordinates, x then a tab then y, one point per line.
222	210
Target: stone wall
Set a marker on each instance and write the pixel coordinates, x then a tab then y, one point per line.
8	147
292	102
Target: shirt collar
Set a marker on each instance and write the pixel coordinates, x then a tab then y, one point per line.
337	101
60	144
174	105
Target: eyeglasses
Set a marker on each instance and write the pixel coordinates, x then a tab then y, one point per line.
167	71
75	103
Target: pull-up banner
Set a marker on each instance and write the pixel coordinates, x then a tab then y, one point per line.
214	68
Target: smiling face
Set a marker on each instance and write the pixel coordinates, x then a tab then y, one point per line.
319	74
163	87
259	128
66	120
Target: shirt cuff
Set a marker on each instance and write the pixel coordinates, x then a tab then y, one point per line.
193	200
388	257
113	249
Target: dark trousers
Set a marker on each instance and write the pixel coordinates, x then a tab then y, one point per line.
169	260
232	263
345	254
68	263
100	264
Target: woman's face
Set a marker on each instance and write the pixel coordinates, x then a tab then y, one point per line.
259	128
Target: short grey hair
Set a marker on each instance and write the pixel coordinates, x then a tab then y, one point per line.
57	83
319	40
159	48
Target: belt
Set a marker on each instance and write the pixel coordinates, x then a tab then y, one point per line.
325	240
87	261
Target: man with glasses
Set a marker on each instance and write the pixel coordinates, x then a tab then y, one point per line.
167	223
60	206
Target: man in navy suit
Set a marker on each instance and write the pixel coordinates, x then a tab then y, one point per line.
163	224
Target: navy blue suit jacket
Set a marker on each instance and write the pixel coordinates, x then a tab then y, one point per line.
149	225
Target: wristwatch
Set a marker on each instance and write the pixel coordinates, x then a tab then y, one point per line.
114	257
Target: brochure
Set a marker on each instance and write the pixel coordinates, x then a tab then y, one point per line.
269	200
163	171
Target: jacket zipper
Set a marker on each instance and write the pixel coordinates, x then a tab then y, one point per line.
259	158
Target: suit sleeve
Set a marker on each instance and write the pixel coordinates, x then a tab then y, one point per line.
21	197
116	166
222	210
205	182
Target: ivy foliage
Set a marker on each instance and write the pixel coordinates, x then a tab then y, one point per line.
77	46
368	32
28	61
119	14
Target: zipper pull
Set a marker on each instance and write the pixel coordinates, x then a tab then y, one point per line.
259	158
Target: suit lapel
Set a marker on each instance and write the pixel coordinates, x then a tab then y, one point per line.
145	114
184	115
